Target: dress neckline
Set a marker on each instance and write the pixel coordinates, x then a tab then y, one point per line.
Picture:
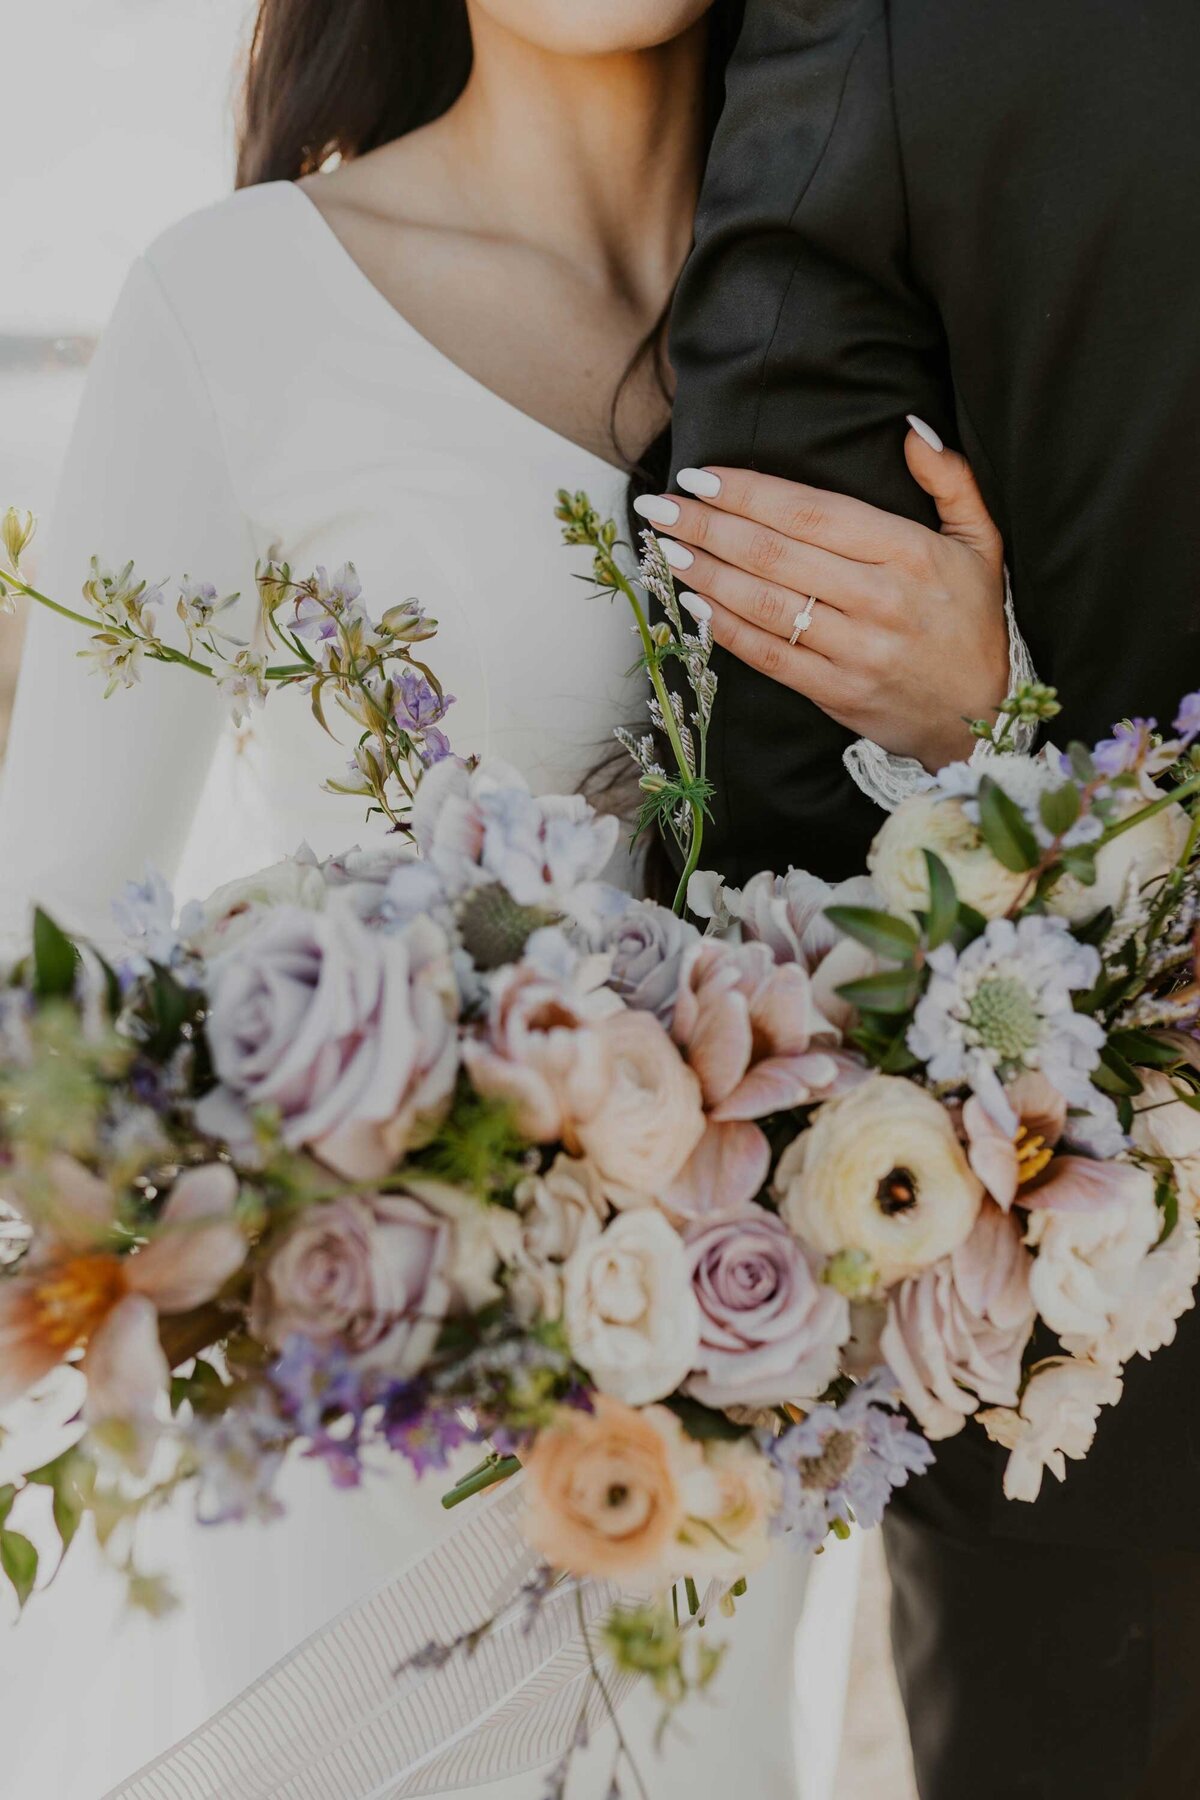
358	277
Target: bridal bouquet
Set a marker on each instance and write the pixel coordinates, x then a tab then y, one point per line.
713	1225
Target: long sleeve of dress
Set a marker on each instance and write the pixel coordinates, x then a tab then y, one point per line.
94	790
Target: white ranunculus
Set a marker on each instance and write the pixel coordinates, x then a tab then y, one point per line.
1087	1263
234	909
1164	1126
1142	855
632	1319
556	1213
938	822
881	1172
1057	1419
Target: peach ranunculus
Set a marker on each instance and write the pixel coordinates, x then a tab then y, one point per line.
541	1052
75	1292
752	1031
649	1117
1023	1168
605	1491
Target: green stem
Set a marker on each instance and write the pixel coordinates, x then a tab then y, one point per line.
496	1468
654	669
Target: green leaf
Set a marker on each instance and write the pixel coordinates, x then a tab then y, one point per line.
1082	766
8	1494
1115	1075
702	1423
19	1561
879	931
203	1388
54	958
1080	861
971	922
71	1478
1006	831
1142	1047
942	916
1166	1198
1060	808
895	991
173	1006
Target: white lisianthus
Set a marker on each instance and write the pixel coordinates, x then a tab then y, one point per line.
1164	1126
556	1213
729	1500
934	821
1088	1262
1057	1419
233	910
632	1319
1139	857
880	1172
1163	1290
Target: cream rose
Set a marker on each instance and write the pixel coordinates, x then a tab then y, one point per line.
631	1316
938	822
730	1500
557	1212
1164	1126
650	1115
882	1173
1142	855
232	910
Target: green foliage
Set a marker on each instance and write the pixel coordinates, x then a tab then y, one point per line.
1115	1075
55	959
892	992
887	936
477	1147
1060	809
942	916
71	1479
702	1423
19	1561
1005	829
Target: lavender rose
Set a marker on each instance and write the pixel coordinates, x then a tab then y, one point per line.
348	1034
770	1330
378	1273
647	945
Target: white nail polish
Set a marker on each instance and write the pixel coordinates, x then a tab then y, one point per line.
698	606
678	555
701	482
926	432
657	508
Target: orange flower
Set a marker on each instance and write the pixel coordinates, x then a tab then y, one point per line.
605	1491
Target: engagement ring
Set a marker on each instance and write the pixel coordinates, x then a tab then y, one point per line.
803	619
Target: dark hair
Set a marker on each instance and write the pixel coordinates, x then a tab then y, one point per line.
340	77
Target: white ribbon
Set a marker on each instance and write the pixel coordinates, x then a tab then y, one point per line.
342	1718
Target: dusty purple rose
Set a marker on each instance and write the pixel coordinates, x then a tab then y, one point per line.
647	945
369	1272
348	1034
770	1330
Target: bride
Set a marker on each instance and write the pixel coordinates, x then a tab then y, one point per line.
439	296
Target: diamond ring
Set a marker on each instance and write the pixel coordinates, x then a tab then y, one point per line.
803	619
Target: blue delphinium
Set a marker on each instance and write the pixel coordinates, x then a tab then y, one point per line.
841	1464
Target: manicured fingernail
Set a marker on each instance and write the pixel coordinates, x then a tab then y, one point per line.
657	508
926	432
698	606
678	555
701	482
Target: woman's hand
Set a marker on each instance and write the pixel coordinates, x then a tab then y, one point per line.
907	638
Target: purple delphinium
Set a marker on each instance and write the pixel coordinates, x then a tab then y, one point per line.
434	747
418	705
1187	720
326	1400
1128	749
842	1463
425	1436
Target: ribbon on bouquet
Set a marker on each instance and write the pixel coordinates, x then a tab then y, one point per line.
345	1717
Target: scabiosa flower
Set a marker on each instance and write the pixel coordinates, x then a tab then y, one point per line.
1005	1004
841	1463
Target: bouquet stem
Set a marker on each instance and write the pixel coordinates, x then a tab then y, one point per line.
492	1469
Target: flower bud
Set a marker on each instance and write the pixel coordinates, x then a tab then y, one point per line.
17	532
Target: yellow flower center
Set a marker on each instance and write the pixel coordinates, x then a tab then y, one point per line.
76	1296
1033	1154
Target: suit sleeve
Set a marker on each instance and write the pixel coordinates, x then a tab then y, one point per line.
800	341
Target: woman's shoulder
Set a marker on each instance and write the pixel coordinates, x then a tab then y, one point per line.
211	251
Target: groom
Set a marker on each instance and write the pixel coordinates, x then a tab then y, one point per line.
987	213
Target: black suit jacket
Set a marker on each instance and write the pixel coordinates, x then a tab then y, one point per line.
986	212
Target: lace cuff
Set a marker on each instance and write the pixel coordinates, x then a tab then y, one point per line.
889	779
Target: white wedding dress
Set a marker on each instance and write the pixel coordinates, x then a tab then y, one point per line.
255	395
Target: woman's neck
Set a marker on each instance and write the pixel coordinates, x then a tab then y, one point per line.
596	160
